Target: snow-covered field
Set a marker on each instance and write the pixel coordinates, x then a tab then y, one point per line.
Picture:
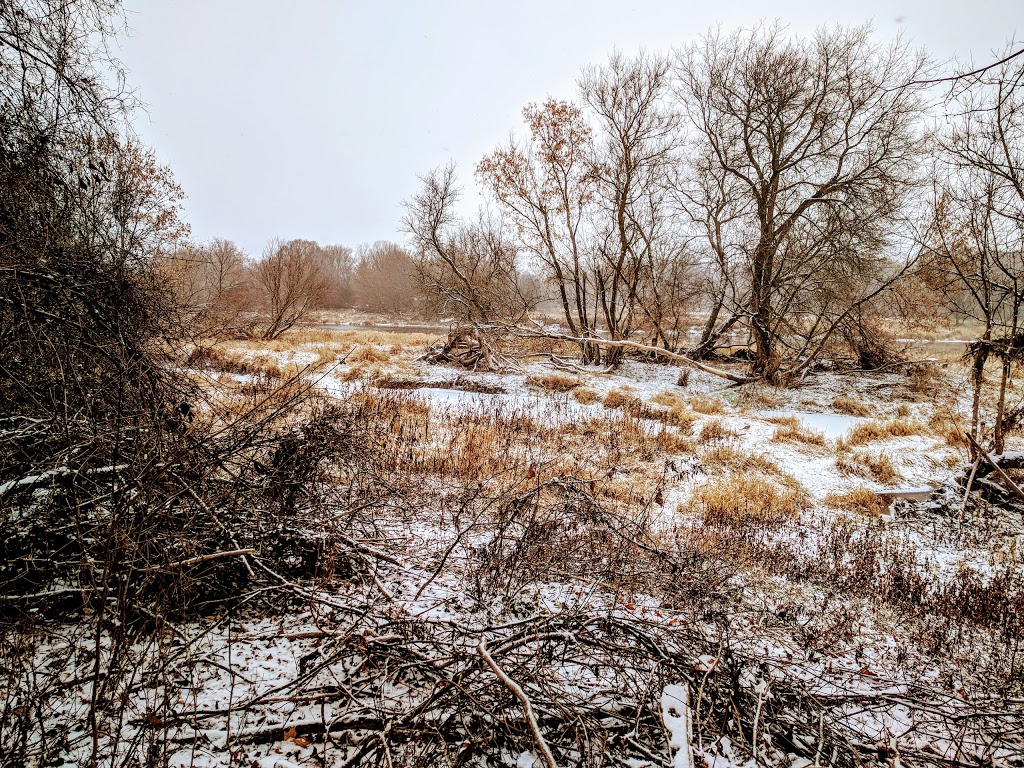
573	529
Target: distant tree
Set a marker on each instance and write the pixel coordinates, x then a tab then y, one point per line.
384	279
291	281
339	265
214	282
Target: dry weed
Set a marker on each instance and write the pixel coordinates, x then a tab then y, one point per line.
850	406
553	382
861	500
748	500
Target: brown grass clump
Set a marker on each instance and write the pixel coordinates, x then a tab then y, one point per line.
755	396
850	406
863	464
861	500
708	406
619	398
869	431
367	353
727	458
790	430
668	399
585	396
715	430
748	500
553	382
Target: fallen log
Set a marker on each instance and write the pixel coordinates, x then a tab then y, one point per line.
625	344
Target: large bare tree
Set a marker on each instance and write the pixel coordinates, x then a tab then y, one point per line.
816	144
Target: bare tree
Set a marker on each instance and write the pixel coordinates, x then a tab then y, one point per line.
975	243
292	281
384	279
470	269
631	165
547	188
819	142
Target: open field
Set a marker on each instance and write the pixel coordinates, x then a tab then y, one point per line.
581	525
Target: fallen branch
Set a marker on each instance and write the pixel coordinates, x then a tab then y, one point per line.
994	463
625	344
513	686
213	556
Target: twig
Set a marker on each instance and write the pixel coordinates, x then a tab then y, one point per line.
513	686
212	556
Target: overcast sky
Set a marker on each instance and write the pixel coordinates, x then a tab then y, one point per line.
312	118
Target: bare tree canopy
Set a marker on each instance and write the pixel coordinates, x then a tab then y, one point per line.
820	153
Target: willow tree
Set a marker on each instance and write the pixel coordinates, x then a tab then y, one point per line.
816	144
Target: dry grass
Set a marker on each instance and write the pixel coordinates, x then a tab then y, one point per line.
553	382
668	399
726	458
585	396
715	431
861	500
850	406
367	353
789	429
620	397
874	429
869	466
709	406
748	500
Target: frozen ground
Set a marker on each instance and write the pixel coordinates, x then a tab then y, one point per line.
324	684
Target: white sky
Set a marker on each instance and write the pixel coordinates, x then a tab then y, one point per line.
312	118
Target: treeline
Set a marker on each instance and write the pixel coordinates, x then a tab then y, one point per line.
231	294
790	195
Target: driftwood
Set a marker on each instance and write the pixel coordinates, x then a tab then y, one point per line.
467	347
